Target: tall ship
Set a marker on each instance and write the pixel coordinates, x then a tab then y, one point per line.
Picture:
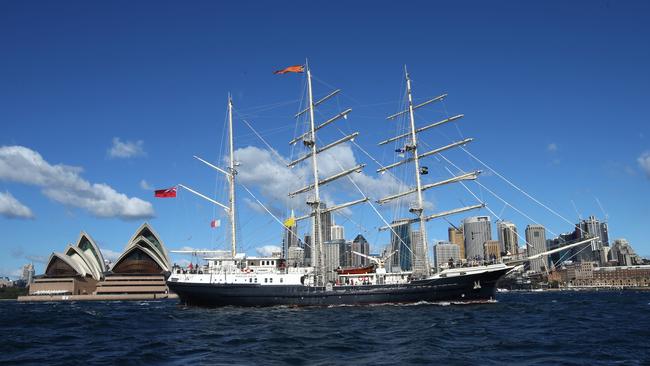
237	279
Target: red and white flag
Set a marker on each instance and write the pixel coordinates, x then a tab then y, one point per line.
166	193
294	68
215	223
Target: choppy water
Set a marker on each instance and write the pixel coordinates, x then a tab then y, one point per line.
521	328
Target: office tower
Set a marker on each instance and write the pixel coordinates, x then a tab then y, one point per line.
508	240
307	254
443	252
402	244
418	258
332	258
536	239
360	245
290	238
28	273
477	231
592	227
337	232
456	237
326	223
623	254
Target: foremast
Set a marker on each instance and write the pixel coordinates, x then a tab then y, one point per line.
310	141
230	174
422	267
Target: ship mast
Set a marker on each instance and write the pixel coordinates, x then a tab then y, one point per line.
315	203
310	141
231	181
421	267
230	174
419	209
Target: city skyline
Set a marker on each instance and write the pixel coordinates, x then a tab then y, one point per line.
104	106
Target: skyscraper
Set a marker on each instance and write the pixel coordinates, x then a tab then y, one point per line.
477	231
290	238
337	232
536	239
307	254
456	237
418	256
332	258
402	243
508	239
593	227
28	273
443	252
326	223
360	245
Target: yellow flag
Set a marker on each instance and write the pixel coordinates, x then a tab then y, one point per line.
290	222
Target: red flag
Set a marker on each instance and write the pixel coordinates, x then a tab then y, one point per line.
166	193
294	68
215	223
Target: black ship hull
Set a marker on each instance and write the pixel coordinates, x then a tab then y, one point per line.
479	287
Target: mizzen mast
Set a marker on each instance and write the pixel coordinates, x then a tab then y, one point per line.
421	266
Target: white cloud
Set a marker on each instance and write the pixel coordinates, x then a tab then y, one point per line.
268	250
11	208
145	185
126	149
552	147
644	162
65	185
267	172
110	255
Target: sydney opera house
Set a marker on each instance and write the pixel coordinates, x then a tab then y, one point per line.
81	273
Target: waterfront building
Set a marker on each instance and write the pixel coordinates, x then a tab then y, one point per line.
491	250
477	231
536	243
443	252
457	237
360	245
80	270
508	239
400	239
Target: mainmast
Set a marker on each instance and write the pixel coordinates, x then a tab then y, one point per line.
421	267
310	141
419	208
231	181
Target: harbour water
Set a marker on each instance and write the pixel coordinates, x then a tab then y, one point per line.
532	328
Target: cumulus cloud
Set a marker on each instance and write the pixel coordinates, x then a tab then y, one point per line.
65	185
552	147
644	162
145	185
268	250
267	172
126	149
11	208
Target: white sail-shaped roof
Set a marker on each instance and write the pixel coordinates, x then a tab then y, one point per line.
92	253
153	241
79	269
81	259
146	247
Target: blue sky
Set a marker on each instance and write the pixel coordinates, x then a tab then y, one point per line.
100	102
